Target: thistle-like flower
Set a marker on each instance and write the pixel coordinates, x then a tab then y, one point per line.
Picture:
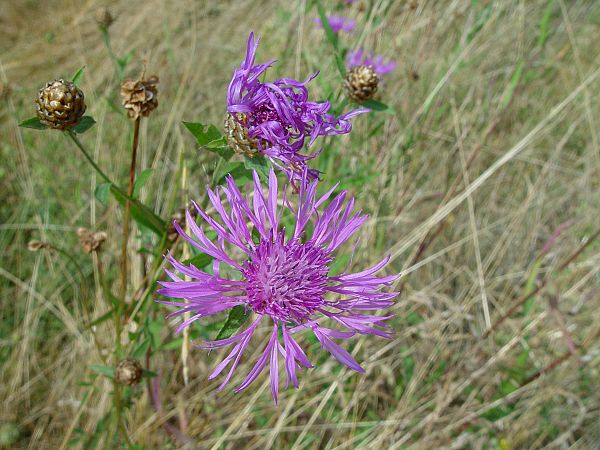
359	58
276	118
60	104
282	276
338	23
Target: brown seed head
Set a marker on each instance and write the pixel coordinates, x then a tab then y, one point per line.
128	372
140	96
361	83
237	135
60	105
90	240
103	17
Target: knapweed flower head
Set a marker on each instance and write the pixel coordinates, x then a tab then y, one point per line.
277	118
338	23
377	62
281	277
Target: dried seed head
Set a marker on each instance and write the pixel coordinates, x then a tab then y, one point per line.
60	105
103	17
35	245
237	135
128	372
90	240
140	96
361	83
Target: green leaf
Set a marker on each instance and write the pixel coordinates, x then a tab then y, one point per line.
125	60
332	38
258	163
99	320
545	24
77	77
199	261
33	123
374	105
237	170
84	124
149	374
101	193
221	148
141	349
103	370
140	181
141	213
514	81
204	134
237	317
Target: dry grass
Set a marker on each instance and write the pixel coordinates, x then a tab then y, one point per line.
495	139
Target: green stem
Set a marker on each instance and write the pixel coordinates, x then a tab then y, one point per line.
87	156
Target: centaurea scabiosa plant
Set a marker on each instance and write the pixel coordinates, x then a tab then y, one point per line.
278	118
284	277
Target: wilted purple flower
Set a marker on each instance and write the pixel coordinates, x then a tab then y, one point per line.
359	58
278	116
280	275
338	23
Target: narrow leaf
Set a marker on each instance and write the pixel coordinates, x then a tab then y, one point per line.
103	370
332	38
204	134
258	163
140	181
236	318
141	213
374	105
78	75
101	193
84	124
33	123
199	261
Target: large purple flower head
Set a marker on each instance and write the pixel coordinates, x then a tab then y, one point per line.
281	276
360	58
338	23
276	118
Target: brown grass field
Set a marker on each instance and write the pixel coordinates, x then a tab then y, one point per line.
483	185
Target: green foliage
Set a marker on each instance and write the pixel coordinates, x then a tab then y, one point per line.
140	181
84	124
106	371
236	318
258	163
332	38
377	106
33	123
78	76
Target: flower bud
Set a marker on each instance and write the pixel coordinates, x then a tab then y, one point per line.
237	135
361	83
103	17
128	372
60	105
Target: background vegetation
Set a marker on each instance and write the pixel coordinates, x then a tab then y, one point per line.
482	184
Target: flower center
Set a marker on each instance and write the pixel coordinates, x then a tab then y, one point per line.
286	281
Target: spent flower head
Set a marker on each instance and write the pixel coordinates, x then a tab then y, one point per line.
277	118
282	276
60	104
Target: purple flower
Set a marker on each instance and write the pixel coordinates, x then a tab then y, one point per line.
281	275
338	23
278	116
359	58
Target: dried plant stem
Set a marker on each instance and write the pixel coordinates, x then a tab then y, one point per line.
127	214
